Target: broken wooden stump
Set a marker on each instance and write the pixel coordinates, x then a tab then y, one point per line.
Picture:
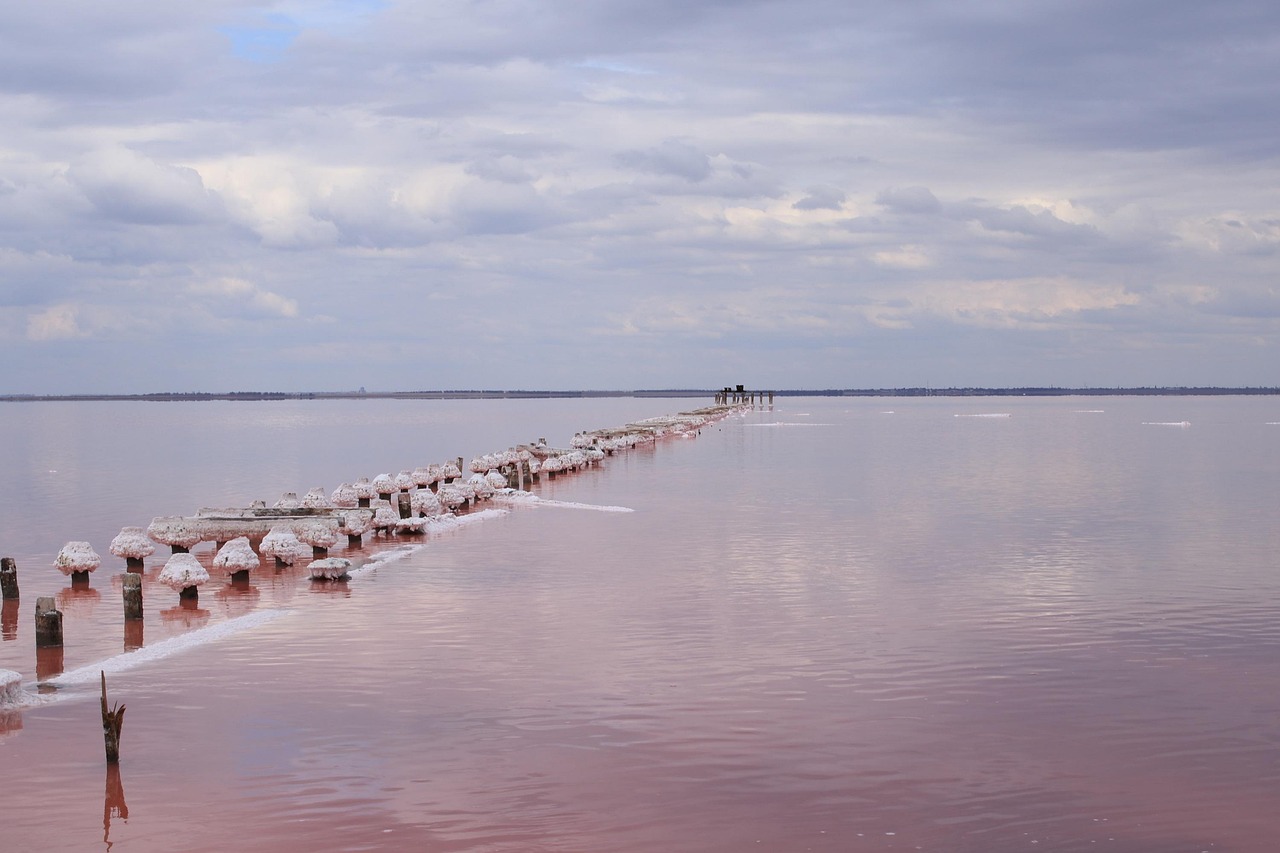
112	721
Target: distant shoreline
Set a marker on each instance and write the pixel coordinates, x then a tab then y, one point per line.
249	396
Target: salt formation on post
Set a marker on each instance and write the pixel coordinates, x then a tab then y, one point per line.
320	534
10	688
424	503
184	573
283	545
315	499
77	559
179	533
289	500
329	569
365	491
132	544
356	523
345	496
237	558
385	516
404	481
384	485
496	480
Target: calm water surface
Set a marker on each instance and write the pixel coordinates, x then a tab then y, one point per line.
840	624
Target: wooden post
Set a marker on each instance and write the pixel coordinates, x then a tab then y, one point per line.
111	722
132	596
8	578
48	623
404	505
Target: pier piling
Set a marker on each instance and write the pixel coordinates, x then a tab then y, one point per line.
48	623
132	596
8	578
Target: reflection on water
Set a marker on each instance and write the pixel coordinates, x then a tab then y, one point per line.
9	619
113	804
1051	631
188	614
49	662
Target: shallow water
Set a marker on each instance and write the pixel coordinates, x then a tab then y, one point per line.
824	627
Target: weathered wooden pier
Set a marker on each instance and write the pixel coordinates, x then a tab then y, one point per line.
296	530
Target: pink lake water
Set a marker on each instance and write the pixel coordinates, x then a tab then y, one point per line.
838	624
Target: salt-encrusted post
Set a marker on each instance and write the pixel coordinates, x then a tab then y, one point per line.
112	721
132	544
77	559
404	505
8	578
132	596
48	623
183	572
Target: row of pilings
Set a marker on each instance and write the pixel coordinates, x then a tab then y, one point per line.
740	396
295	530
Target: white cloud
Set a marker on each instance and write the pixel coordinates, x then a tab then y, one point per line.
56	323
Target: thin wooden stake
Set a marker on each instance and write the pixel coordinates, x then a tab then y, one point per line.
112	721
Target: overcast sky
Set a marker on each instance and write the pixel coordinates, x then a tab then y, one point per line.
222	195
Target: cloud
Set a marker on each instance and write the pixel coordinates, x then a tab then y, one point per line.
671	158
909	201
56	323
236	297
821	198
128	187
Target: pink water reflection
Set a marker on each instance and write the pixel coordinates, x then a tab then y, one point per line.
744	662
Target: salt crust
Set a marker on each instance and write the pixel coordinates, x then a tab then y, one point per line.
165	648
236	556
77	557
131	543
182	571
330	568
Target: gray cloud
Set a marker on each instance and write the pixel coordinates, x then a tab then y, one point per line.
582	186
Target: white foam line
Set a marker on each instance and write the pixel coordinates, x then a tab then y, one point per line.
166	648
383	558
596	507
985	415
782	424
1167	423
1089	411
519	498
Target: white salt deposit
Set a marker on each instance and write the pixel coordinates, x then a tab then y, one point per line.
77	557
496	480
357	522
317	532
345	496
364	489
515	497
11	692
424	502
330	568
289	500
165	648
383	484
404	481
236	556
175	530
131	543
182	571
315	499
281	544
